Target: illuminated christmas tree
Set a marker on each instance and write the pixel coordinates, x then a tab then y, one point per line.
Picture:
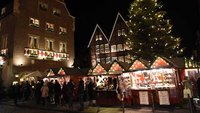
150	32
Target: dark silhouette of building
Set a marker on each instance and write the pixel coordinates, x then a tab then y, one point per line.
106	49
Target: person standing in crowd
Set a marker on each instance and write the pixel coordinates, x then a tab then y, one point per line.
51	91
91	91
57	91
27	90
45	92
16	89
81	93
64	93
38	94
70	89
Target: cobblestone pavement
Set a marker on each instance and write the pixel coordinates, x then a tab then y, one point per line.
31	107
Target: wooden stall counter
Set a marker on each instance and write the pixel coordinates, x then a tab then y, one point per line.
107	98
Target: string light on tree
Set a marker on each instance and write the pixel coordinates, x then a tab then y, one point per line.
150	34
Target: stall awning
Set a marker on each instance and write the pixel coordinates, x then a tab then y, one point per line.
34	74
137	65
162	62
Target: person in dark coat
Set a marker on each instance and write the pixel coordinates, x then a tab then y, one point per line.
51	91
70	89
16	89
81	93
91	90
57	92
64	93
38	87
27	90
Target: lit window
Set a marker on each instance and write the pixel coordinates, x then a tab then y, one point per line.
97	49
103	60
119	33
121	58
62	30
98	59
43	6
33	42
3	11
4	42
119	47
63	47
126	47
123	32
98	37
56	12
107	49
108	60
113	48
102	48
49	27
114	58
34	22
49	44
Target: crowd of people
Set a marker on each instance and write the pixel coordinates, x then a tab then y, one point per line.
53	92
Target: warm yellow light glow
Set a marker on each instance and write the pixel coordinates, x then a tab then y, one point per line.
19	61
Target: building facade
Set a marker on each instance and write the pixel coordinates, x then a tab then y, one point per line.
35	38
108	49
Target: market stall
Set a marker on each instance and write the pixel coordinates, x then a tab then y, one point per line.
106	77
157	80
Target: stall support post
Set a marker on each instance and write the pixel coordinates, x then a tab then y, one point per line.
123	106
153	107
123	102
192	107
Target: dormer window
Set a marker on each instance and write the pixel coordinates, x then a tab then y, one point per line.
43	6
49	27
121	32
34	22
98	37
56	12
3	10
62	30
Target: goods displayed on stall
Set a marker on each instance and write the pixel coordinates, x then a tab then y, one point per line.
106	80
158	77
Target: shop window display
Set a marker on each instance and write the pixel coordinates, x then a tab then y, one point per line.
158	78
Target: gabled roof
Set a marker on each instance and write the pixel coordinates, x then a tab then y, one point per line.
138	65
116	68
95	30
162	62
117	18
99	70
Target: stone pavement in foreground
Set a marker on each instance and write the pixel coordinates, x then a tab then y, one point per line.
31	107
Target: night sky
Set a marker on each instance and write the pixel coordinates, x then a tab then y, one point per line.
184	17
